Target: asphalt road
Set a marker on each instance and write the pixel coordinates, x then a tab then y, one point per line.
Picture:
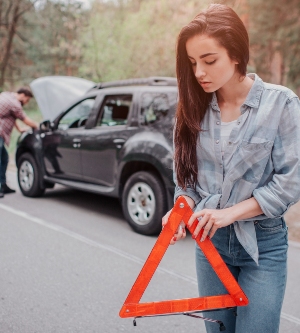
69	259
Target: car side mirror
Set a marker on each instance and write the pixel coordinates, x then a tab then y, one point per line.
47	126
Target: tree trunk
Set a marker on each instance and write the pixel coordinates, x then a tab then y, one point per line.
10	37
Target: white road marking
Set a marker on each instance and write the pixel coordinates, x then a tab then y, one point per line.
117	251
291	318
93	243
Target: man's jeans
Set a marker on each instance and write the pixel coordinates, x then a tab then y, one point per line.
3	161
264	285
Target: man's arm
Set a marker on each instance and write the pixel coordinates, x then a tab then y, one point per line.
18	127
30	122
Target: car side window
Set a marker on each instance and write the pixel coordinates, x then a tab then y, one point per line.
77	115
154	106
114	110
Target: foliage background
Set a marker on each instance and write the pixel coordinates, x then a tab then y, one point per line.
116	39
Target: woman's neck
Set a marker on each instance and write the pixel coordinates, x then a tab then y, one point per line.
232	96
235	90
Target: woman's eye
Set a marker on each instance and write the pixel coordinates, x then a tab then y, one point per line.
210	63
193	63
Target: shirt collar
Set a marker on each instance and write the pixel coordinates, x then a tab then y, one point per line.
252	98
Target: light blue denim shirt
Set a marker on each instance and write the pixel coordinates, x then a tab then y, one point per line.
261	159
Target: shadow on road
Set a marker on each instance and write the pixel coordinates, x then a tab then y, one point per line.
86	201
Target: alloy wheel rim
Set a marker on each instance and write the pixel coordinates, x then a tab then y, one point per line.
141	203
26	175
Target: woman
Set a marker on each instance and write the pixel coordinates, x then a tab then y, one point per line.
237	165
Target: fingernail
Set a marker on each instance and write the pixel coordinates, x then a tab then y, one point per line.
202	239
174	239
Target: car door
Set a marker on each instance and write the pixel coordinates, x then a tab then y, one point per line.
62	157
102	146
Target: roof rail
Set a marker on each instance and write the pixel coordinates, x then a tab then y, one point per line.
150	81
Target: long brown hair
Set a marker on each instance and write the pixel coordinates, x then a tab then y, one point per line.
223	24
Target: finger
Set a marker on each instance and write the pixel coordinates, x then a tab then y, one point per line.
206	230
195	216
179	232
166	218
213	231
200	225
192	219
174	239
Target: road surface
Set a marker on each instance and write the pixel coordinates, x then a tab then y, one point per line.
69	259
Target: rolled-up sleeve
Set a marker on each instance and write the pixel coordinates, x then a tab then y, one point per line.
18	113
284	188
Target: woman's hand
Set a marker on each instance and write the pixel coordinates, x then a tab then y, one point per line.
211	220
180	233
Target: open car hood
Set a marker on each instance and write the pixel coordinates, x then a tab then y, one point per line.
55	93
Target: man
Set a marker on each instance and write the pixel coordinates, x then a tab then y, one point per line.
11	109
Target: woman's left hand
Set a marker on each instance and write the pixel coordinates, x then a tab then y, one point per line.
210	220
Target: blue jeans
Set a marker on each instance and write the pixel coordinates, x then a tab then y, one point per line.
264	285
3	161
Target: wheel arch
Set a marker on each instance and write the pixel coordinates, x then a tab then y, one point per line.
25	149
22	150
134	166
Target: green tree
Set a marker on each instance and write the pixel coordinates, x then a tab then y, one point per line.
54	47
11	17
134	38
275	36
39	38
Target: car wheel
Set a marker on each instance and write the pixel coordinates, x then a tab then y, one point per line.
144	202
28	176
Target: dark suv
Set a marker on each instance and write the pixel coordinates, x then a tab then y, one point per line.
115	140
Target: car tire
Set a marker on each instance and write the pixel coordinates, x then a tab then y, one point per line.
144	202
28	176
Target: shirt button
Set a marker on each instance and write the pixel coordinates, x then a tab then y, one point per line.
218	123
217	141
238	122
229	142
221	165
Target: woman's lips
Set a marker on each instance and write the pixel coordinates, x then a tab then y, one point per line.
204	84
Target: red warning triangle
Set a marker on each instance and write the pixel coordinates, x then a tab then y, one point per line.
235	296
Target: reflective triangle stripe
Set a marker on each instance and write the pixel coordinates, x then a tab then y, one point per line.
236	296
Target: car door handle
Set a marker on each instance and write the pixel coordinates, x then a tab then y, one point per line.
76	143
119	142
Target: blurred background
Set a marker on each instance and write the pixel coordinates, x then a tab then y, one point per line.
102	40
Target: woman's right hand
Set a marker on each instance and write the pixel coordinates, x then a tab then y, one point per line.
179	234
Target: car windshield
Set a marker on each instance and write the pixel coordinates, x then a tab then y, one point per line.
77	114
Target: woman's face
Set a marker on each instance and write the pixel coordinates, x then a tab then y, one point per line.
210	61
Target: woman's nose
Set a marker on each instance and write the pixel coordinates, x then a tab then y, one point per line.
199	72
